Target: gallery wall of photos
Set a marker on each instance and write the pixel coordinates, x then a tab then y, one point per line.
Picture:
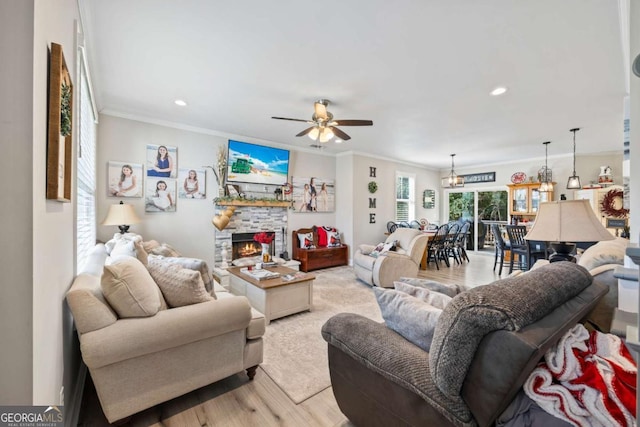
159	179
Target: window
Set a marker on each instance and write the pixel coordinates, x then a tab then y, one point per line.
405	197
86	173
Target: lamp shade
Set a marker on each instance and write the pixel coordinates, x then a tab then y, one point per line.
567	221
121	214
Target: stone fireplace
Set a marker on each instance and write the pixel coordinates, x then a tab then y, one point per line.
250	220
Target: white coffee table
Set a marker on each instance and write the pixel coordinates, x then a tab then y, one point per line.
275	297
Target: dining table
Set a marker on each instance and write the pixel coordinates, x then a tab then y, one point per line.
430	234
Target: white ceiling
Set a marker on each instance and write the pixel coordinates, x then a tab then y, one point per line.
421	70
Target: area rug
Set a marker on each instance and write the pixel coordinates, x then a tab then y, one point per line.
295	354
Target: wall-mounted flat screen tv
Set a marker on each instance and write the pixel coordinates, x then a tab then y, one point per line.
257	164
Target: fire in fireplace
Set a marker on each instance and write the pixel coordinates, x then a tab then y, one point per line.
243	245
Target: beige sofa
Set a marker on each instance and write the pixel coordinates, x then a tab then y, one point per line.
136	363
389	266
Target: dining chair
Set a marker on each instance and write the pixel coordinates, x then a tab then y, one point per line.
501	247
436	249
519	246
450	242
461	241
391	227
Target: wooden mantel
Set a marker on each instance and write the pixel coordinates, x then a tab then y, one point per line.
258	203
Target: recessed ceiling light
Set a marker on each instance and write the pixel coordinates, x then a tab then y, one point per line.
498	91
338	141
180	102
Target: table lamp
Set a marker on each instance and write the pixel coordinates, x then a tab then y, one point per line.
121	215
565	222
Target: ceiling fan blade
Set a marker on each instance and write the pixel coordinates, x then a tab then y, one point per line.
339	133
295	120
306	131
321	111
353	122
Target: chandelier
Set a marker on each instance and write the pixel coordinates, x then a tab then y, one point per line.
573	183
453	180
545	185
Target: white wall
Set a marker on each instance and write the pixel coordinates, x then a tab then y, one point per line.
38	257
587	167
363	230
189	228
16	261
53	222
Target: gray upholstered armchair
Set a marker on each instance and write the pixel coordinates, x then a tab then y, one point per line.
485	344
389	266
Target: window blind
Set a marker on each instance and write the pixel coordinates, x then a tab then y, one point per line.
86	174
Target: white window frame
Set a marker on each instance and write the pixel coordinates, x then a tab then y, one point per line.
411	201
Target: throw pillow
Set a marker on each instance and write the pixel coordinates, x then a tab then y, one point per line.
179	286
434	298
605	252
333	239
165	250
123	248
376	250
366	249
141	254
306	240
129	289
415	320
323	235
443	288
150	245
192	264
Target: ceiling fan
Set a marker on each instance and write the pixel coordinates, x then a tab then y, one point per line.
324	126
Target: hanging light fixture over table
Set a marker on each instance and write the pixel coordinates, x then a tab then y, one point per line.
452	180
545	185
573	183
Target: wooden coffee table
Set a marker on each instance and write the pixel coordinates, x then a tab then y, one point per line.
275	297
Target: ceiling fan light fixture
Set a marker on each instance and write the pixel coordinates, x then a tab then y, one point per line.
326	135
315	132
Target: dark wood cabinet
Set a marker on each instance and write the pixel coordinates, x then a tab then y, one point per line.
313	259
319	257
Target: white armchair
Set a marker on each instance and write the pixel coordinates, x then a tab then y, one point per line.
389	266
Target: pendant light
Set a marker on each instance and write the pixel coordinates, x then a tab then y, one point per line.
545	185
573	183
452	180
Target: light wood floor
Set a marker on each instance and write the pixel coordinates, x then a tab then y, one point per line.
238	402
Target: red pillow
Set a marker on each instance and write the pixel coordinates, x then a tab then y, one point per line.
322	235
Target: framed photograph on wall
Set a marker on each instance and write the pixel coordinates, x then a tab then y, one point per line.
60	126
162	161
192	183
124	179
160	195
314	194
